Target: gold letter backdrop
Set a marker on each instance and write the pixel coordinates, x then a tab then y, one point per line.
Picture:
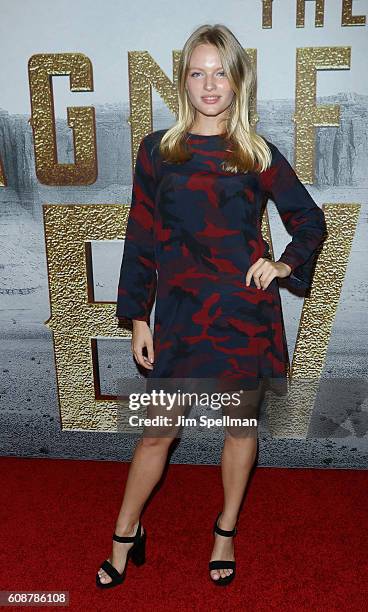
347	18
78	321
81	119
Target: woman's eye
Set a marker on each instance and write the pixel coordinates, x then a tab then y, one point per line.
221	72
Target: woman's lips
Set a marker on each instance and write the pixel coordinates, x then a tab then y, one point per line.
211	99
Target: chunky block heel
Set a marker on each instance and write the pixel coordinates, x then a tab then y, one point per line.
217	563
137	553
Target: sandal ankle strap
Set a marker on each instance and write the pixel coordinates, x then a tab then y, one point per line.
118	538
224	532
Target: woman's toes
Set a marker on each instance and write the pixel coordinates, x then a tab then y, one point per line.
104	577
215	575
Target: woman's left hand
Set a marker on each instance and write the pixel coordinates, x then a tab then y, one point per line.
265	270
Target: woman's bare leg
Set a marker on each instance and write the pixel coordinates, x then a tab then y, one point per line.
146	468
237	459
238	456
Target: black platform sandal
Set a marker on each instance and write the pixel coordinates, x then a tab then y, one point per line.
218	564
137	552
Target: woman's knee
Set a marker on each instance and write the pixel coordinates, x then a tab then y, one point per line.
245	436
156	441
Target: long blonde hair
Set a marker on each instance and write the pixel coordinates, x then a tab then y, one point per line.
248	151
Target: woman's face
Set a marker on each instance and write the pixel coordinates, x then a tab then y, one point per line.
207	84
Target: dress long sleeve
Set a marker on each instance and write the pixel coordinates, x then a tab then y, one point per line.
138	279
302	217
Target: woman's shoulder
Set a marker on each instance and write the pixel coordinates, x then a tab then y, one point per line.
278	158
271	145
150	146
153	138
151	143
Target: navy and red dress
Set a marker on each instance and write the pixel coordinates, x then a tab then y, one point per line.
192	233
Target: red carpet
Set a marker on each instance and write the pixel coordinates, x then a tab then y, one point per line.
301	545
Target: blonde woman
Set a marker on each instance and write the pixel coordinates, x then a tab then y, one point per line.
194	244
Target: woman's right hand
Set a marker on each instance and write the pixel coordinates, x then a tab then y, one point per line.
142	337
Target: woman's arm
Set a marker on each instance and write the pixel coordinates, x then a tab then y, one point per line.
303	219
138	280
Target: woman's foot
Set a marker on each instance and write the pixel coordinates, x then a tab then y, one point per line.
223	549
119	551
